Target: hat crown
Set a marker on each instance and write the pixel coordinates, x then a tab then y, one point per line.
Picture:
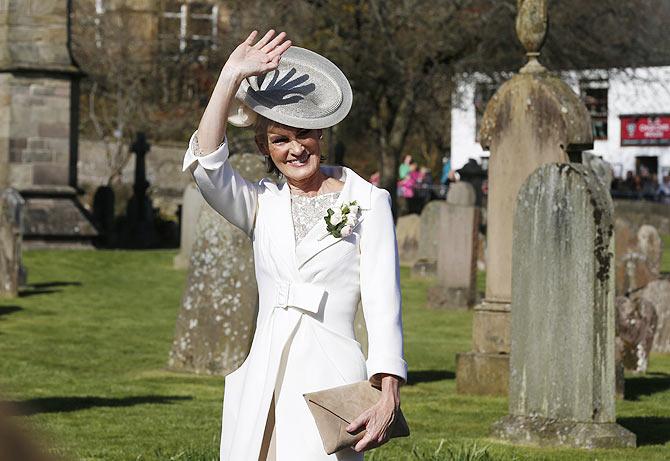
310	91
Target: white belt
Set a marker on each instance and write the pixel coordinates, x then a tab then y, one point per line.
305	296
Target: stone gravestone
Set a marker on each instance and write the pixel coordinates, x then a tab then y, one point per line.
481	251
562	372
191	204
218	315
638	256
636	325
658	294
140	230
651	246
429	239
631	268
11	225
103	215
408	235
533	119
457	252
600	168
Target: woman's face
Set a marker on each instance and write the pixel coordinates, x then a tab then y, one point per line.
295	151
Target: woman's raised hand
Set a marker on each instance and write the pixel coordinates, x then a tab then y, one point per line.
256	59
247	59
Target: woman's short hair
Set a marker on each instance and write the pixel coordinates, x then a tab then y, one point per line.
261	137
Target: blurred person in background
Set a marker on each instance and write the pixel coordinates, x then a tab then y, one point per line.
375	178
425	185
664	190
404	168
650	187
410	185
446	169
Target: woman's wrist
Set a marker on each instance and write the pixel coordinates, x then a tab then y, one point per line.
391	390
231	74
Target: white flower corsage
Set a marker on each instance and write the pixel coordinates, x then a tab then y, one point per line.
341	221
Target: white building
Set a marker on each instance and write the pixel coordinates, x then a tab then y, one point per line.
630	110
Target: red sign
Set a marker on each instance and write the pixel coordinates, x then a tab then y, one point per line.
645	130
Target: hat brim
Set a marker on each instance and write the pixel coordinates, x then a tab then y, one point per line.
287	114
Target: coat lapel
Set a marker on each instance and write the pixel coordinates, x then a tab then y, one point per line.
355	188
283	221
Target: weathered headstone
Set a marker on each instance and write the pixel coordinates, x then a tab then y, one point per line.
619	374
627	259
140	230
599	167
191	204
429	239
408	235
651	246
103	215
533	119
481	251
457	252
216	322
562	371
636	325
638	256
11	225
658	294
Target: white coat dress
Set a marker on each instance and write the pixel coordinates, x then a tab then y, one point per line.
308	295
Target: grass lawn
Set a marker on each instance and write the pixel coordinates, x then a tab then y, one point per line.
85	346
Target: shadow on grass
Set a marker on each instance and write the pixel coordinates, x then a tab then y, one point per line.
650	430
26	293
69	404
428	376
33	289
5	310
42	286
649	384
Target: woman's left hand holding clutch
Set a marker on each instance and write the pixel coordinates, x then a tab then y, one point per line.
377	420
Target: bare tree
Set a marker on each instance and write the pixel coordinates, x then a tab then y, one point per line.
402	58
116	80
136	79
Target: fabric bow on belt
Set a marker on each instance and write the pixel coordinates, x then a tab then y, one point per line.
305	296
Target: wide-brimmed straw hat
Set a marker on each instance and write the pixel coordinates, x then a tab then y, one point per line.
305	91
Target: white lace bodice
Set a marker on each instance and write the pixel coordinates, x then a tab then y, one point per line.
307	211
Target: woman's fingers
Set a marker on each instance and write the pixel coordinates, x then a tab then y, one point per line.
274	42
266	38
376	422
365	443
250	39
279	50
358	422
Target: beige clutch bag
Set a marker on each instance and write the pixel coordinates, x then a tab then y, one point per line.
333	410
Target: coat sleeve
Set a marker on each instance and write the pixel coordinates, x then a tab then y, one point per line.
226	191
380	291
